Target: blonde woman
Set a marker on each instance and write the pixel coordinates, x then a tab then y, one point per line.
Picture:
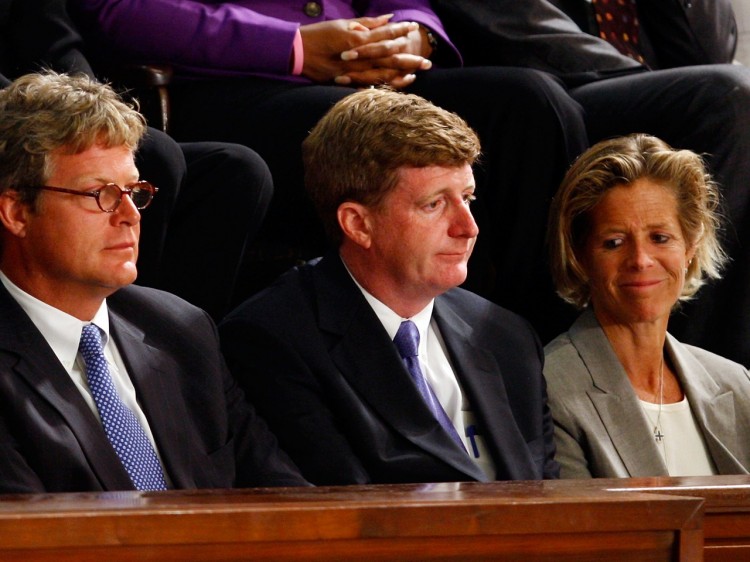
633	231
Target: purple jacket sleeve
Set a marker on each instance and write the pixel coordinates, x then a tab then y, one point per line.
209	37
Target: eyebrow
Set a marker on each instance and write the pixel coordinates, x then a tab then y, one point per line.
443	191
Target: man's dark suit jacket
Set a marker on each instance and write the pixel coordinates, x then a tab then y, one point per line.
206	433
558	36
321	369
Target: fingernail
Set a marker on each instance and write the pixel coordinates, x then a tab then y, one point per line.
426	64
349	55
387	16
342	80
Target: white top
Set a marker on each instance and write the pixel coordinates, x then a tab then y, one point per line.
679	439
440	375
63	334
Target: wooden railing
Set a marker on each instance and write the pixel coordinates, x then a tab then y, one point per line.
563	520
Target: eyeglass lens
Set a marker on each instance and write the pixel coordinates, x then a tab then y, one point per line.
110	195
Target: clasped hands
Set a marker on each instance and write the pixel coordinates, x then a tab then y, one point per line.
364	51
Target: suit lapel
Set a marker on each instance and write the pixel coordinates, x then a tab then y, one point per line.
368	360
713	410
39	366
481	378
616	404
152	373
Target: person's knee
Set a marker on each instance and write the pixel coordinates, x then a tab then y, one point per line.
253	183
724	88
245	162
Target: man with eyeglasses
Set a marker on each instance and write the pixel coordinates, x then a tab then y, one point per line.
104	385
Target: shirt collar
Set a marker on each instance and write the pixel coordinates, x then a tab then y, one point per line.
390	320
61	330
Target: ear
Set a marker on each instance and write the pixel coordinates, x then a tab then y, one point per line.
14	214
689	255
354	220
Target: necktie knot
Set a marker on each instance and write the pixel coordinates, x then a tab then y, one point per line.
407	339
91	341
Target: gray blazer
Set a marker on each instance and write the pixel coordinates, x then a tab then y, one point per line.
600	428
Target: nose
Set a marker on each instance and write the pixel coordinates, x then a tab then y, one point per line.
640	256
127	212
463	224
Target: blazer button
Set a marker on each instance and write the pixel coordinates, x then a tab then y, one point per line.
313	9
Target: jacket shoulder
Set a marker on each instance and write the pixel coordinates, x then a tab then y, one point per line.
285	298
481	313
158	312
726	370
564	369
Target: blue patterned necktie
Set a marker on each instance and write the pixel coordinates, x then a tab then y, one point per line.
407	343
120	424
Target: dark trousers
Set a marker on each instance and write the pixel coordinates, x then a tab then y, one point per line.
211	202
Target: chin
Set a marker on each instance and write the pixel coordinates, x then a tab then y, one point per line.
123	278
451	281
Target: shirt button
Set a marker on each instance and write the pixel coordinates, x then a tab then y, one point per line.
313	9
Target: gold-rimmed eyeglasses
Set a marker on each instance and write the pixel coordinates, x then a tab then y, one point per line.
109	196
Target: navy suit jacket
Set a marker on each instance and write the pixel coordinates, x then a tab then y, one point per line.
321	369
207	435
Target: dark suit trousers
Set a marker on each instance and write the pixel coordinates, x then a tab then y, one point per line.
194	236
529	127
705	109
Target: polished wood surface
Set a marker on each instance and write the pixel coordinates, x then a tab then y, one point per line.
468	521
726	522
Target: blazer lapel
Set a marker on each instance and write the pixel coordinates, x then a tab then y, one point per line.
481	377
616	404
713	411
153	374
367	358
39	366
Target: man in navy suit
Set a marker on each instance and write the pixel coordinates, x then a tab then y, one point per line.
70	201
391	177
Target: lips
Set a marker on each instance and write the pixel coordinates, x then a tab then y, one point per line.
123	246
456	255
641	284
